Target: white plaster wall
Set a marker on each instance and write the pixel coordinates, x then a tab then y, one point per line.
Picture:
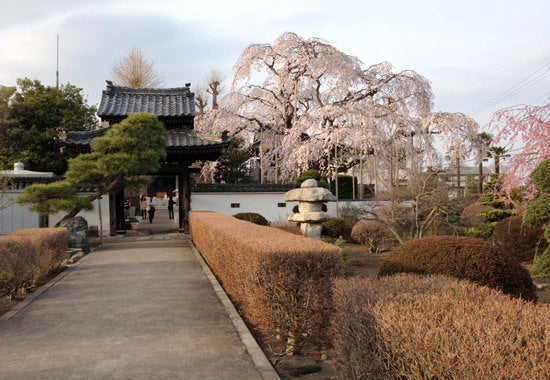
92	217
15	217
265	204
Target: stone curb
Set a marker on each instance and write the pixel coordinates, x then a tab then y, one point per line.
263	365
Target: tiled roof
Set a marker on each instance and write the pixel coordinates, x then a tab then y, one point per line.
81	138
162	102
189	138
175	138
240	188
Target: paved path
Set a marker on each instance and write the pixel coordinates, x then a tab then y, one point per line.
140	307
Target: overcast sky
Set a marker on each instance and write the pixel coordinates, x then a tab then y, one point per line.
480	56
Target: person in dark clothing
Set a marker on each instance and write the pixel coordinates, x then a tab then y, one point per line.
151	209
171	207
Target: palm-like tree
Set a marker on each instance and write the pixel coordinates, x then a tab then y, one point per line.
496	152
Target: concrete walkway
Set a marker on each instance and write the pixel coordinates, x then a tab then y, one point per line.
142	307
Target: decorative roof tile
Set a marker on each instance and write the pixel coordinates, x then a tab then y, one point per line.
162	102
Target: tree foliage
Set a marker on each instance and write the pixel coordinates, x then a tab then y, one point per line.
309	105
54	197
538	213
525	129
6	94
417	208
133	147
32	116
135	71
232	166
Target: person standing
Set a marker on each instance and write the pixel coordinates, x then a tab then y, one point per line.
143	207
170	207
151	208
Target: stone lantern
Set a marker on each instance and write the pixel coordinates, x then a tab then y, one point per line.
310	213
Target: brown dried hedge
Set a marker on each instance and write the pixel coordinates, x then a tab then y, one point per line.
436	327
280	282
27	256
376	235
511	235
462	257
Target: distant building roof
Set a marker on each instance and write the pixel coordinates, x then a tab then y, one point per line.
20	172
174	104
241	188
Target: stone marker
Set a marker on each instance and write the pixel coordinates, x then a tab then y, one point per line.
310	213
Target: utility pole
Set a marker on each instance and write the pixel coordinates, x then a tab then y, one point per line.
57	65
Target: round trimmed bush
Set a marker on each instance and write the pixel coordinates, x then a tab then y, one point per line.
472	215
337	227
462	257
511	235
253	218
372	233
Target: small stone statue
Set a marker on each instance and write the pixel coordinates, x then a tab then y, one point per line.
310	199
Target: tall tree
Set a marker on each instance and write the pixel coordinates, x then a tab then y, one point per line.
525	131
6	125
136	71
36	115
232	166
458	133
302	98
136	146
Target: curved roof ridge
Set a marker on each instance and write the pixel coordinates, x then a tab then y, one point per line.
112	88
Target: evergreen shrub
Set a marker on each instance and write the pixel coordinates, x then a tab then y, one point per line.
311	174
521	241
337	227
345	186
471	215
462	257
252	217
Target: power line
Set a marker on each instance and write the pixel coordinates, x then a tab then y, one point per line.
535	77
512	78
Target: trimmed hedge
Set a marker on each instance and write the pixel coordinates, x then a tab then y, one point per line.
436	327
280	282
462	257
27	256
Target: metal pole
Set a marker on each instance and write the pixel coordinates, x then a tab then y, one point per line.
336	174
57	65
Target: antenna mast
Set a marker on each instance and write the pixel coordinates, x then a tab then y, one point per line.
57	65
